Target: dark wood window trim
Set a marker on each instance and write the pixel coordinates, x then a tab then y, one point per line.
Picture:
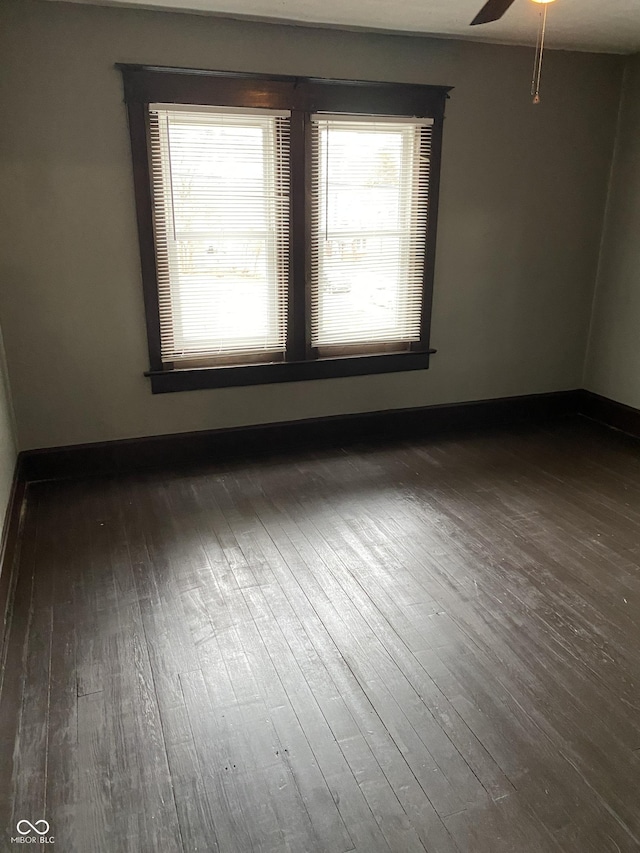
144	85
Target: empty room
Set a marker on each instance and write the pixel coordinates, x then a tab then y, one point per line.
320	426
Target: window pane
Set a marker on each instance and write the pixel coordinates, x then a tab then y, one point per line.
369	230
222	292
221	203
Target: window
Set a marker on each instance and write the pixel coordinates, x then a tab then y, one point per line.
221	211
369	196
287	226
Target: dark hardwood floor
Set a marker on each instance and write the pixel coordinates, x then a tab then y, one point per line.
421	646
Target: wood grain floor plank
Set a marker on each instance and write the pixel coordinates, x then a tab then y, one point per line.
13	675
29	778
374	669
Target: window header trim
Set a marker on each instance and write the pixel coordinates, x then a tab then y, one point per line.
145	84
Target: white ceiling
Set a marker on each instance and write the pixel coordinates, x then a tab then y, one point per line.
598	25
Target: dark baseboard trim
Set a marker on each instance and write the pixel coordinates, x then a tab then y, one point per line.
253	442
9	551
609	412
174	451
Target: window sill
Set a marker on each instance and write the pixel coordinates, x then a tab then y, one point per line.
167	381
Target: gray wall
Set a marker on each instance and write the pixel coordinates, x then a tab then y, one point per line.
523	192
613	362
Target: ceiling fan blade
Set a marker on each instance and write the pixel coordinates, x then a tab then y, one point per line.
491	11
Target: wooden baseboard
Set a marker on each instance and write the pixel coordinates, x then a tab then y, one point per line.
173	451
9	551
609	412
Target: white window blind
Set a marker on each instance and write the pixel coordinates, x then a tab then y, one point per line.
369	225
220	180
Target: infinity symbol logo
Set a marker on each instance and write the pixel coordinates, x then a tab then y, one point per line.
33	827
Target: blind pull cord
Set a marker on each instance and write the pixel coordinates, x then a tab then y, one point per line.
171	189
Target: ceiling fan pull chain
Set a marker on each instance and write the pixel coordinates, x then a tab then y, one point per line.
535	59
535	85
